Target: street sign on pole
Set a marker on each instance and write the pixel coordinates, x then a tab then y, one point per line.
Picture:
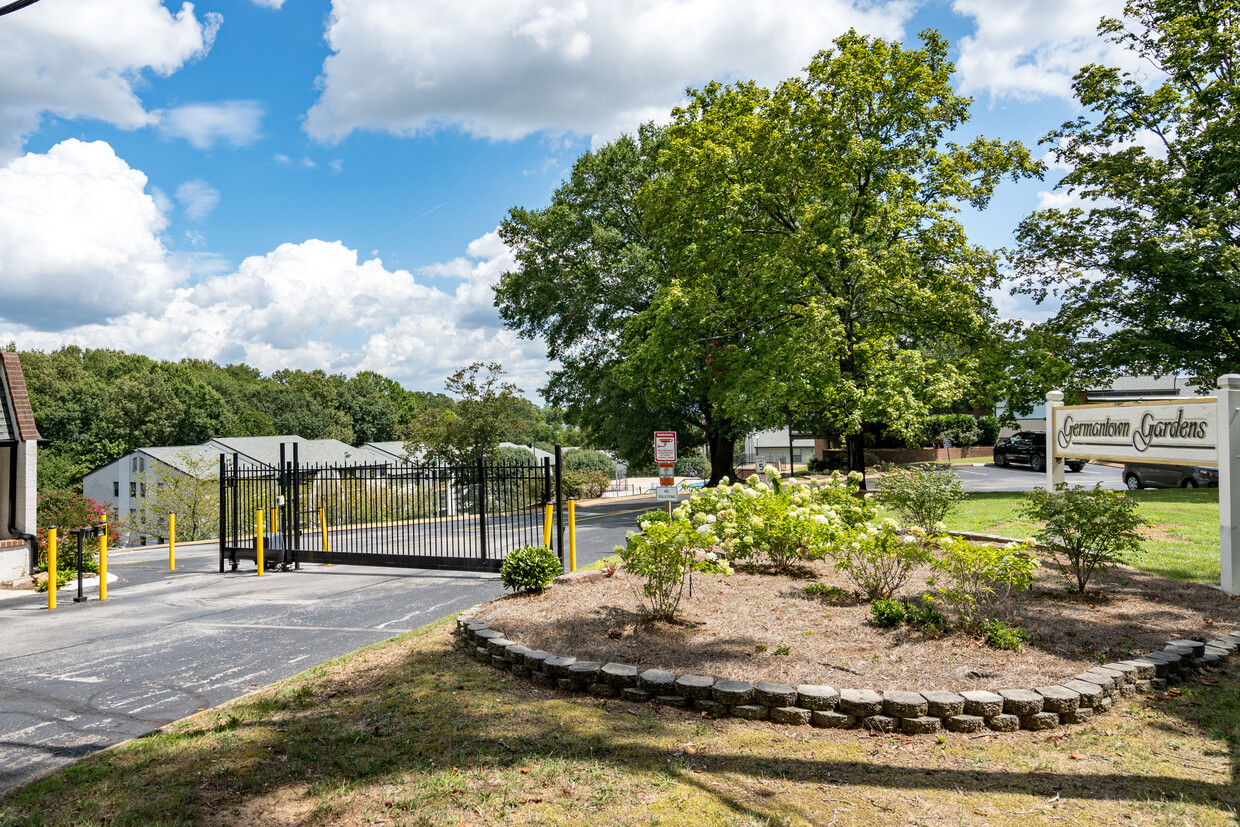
667	493
665	447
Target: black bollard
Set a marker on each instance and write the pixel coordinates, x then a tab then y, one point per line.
81	598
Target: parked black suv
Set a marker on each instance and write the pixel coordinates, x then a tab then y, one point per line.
1028	447
1151	475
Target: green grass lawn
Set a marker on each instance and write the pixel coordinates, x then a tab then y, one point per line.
1183	540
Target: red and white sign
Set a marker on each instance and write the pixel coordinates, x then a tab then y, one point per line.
665	447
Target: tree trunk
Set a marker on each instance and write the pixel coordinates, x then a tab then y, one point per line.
854	444
722	453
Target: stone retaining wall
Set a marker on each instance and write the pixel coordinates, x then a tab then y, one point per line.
914	713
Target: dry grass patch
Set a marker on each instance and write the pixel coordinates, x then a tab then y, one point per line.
412	733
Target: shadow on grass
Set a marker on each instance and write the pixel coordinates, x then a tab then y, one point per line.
414	727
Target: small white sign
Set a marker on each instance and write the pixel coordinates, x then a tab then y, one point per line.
664	447
667	493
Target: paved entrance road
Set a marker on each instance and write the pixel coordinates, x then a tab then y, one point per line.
166	645
1022	478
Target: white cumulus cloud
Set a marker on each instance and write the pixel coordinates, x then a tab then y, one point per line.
198	198
1026	50
79	238
207	125
507	68
83	58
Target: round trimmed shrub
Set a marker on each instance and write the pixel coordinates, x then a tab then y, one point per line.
584	459
530	569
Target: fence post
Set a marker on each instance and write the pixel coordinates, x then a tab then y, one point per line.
172	542
51	567
223	513
103	560
559	504
482	507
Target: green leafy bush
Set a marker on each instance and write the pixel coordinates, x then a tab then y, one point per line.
67	509
1000	635
1088	529
661	559
654	515
586	460
924	615
585	484
829	592
988	430
974	578
887	612
922	496
530	569
878	559
779	522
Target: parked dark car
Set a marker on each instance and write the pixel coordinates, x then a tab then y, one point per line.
1028	447
1150	475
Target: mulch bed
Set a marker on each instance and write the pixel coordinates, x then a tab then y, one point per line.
732	628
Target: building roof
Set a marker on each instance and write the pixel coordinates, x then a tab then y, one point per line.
188	459
266	450
16	415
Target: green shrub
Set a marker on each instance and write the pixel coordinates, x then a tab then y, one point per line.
887	612
661	559
1000	635
657	515
585	484
924	615
961	429
530	569
67	509
1088	529
878	559
922	496
975	577
692	464
829	592
586	460
988	430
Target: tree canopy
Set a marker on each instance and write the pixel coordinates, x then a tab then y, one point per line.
486	409
787	254
1147	264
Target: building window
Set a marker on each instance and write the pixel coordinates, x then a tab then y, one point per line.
133	489
116	488
142	487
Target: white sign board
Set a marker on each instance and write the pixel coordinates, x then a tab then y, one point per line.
665	447
667	493
1199	431
1168	432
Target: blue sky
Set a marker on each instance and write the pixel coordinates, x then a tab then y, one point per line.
316	183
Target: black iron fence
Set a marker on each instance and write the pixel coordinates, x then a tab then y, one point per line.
400	514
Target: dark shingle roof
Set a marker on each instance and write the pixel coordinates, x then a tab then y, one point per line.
16	417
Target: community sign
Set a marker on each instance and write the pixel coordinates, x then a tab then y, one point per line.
1168	432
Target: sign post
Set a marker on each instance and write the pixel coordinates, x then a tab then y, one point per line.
665	457
1229	481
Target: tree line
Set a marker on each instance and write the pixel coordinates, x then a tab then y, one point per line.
95	405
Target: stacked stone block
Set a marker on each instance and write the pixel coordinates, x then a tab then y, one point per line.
1076	701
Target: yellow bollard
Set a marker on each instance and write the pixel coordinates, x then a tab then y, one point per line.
323	530
258	540
273	521
572	535
51	567
172	542
547	526
103	560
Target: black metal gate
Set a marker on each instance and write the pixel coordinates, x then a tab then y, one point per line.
400	514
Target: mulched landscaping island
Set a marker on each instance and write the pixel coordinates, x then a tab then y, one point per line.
755	645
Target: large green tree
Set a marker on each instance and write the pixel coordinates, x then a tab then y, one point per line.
813	238
487	408
588	266
1147	266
